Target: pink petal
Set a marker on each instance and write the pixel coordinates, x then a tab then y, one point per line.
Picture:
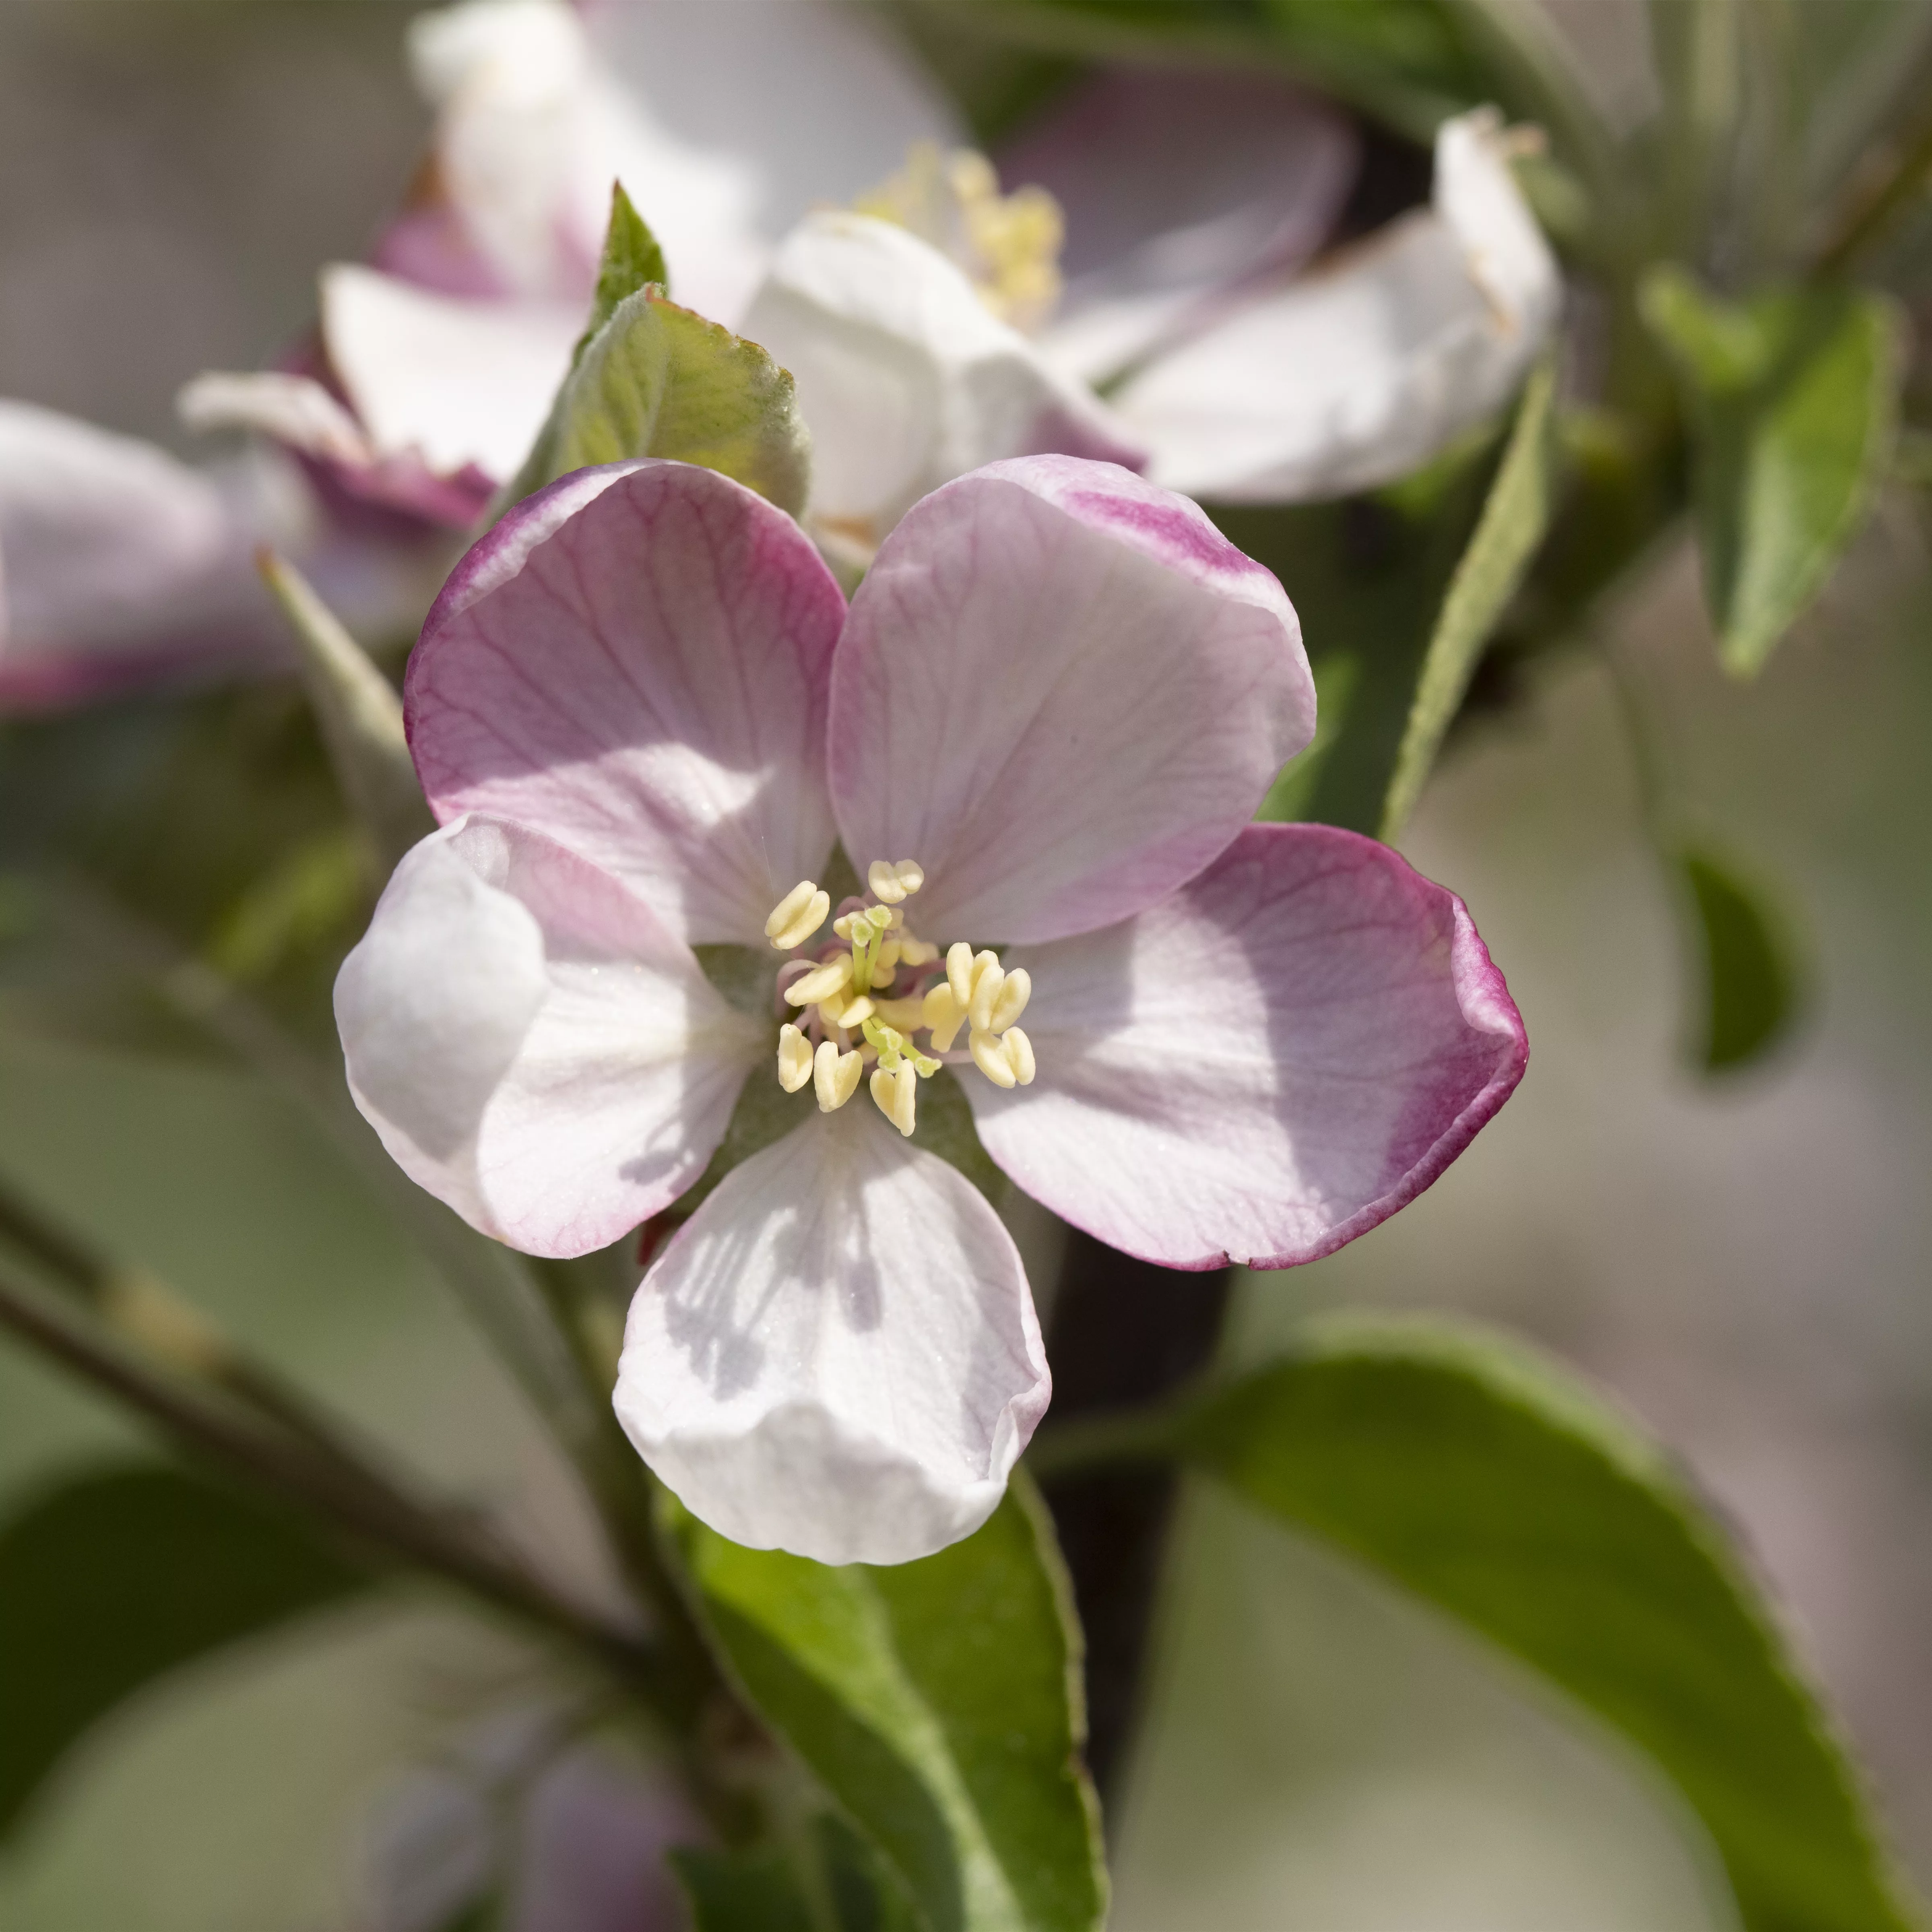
838	1355
532	1045
635	661
1062	691
1176	187
1265	1067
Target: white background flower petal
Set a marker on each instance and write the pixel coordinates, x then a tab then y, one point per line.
905	378
839	1355
1358	373
452	380
96	529
816	103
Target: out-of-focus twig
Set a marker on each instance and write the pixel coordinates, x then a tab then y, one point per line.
355	1501
493	1284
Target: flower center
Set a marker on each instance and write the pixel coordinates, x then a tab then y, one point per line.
1007	245
865	995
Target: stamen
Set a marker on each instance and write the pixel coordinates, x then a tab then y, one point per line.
989	977
959	972
891	883
1019	1055
941	1011
794	1059
797	916
897	1093
837	994
835	1076
1014	995
989	1056
824	983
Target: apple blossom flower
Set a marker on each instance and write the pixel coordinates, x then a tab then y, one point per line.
119	563
919	319
649	722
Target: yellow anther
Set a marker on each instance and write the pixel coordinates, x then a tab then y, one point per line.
942	1011
842	925
902	1015
835	1076
1019	1055
888	955
1013	996
822	983
1007	245
854	1012
990	1057
891	883
897	1092
794	1059
916	951
797	916
959	972
989	980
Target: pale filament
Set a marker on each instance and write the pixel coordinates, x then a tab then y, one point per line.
856	989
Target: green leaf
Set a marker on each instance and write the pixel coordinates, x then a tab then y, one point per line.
1479	1475
316	892
119	1577
658	380
742	1892
1514	520
764	1889
938	1701
1792	398
632	260
1406	61
1751	985
1367	576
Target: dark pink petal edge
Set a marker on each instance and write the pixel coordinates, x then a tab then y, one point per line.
1484	995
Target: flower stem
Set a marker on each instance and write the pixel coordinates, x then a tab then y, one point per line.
709	1714
1871	216
1125	1334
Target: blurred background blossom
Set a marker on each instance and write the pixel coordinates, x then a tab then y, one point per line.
1744	1262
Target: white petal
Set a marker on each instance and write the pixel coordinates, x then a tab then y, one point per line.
95	528
838	1355
452	380
905	378
820	105
1178	186
1358	373
296	410
533	1046
508	78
